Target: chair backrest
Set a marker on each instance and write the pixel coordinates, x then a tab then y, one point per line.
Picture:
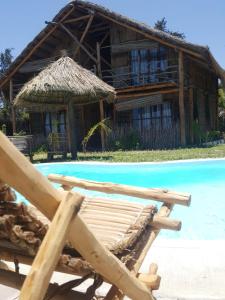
21	175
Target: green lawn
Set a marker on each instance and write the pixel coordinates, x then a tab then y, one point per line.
145	156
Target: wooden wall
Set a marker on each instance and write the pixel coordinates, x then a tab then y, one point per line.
124	40
205	85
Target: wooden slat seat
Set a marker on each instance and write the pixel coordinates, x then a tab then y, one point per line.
116	223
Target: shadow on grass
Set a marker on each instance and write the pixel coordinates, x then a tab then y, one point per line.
81	157
95	157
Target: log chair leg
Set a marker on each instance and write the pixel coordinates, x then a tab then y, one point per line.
37	281
151	279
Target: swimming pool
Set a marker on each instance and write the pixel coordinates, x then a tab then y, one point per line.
205	180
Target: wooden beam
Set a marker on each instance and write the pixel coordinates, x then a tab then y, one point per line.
114	115
82	120
112	188
181	100
146	87
72	129
101	104
37	281
84	33
101	108
191	114
148	35
93	51
13	113
21	175
35	47
104	38
133	95
99	29
164	211
203	64
77	42
166	223
73	20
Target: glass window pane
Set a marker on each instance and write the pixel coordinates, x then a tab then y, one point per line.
153	65
144	66
135	67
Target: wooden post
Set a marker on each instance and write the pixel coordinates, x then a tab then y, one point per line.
37	281
72	129
21	175
101	104
181	100
201	109
82	121
191	114
12	107
68	128
114	115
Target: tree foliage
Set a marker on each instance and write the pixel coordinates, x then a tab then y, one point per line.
162	25
104	125
221	102
5	60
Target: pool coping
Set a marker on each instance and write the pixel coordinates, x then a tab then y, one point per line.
133	163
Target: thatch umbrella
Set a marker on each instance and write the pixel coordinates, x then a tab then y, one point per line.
64	82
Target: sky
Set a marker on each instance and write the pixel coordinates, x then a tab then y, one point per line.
202	21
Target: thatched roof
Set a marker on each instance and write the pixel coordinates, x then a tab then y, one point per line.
85	7
62	81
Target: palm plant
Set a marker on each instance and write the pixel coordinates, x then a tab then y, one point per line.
102	125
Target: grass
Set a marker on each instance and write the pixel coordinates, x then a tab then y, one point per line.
143	156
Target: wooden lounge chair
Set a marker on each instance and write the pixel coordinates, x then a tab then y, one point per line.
107	239
24	144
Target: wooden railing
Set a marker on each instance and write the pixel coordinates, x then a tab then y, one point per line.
123	77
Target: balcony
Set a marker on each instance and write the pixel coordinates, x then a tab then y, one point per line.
122	77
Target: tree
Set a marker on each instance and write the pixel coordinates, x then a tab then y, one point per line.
221	108
221	102
5	60
162	25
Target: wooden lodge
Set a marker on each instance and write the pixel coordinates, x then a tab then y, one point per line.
164	84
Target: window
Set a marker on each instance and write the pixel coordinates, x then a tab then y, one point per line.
153	116
153	65
61	122
144	70
135	67
147	64
55	122
48	127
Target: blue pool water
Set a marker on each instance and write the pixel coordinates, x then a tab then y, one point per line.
204	180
